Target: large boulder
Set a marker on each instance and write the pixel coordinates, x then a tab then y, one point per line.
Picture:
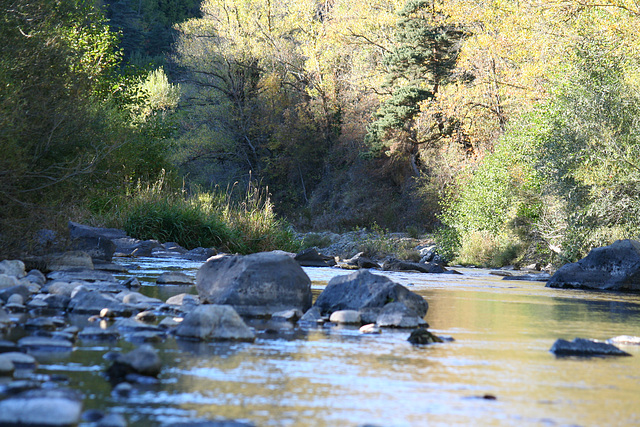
615	267
215	323
256	285
364	290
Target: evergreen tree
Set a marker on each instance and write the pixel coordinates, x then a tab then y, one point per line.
423	59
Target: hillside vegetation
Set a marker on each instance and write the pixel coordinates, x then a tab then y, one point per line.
508	129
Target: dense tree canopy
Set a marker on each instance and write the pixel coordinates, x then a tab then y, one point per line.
519	118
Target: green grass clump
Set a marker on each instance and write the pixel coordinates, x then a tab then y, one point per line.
242	224
175	219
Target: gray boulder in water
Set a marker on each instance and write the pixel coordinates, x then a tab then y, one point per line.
364	290
214	322
615	267
143	360
256	285
585	348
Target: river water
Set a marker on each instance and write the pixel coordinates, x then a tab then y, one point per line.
497	372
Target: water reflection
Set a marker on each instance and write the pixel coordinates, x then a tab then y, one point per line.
333	376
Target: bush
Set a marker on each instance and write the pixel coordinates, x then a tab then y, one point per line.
207	219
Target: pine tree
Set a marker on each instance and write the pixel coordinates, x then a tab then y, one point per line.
423	59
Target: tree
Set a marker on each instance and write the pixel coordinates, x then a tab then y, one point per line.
66	128
422	61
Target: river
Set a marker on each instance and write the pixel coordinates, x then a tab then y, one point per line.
497	372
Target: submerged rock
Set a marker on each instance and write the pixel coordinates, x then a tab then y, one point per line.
363	289
143	360
174	278
615	267
91	333
44	407
585	347
422	336
214	322
398	315
255	285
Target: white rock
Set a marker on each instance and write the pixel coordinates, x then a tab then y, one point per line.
345	316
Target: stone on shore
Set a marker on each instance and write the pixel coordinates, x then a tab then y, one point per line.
615	267
214	323
13	268
69	261
311	258
393	264
585	348
361	261
256	285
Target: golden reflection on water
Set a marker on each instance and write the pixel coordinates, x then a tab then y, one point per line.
503	332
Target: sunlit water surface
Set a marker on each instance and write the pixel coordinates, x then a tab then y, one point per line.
332	376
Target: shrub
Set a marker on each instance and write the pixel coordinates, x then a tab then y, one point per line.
199	218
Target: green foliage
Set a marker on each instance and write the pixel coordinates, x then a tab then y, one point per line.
65	115
424	57
568	174
206	219
448	242
315	240
146	26
173	219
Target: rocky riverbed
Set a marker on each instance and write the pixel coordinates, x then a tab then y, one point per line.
83	303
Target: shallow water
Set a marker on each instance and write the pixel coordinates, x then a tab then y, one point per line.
336	377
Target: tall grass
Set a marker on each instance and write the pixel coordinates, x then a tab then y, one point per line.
243	223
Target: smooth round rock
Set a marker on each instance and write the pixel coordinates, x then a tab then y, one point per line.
345	317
